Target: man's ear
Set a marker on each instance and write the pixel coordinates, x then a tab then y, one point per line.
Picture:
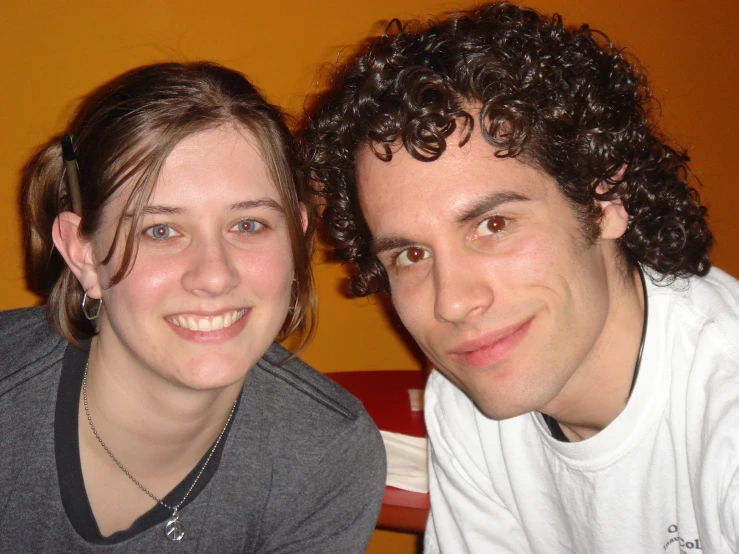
77	252
303	216
615	219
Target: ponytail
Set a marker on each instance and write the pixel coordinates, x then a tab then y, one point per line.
45	195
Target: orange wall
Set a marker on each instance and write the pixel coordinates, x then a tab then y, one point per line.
54	52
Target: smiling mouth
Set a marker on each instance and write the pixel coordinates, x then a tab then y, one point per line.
206	324
491	349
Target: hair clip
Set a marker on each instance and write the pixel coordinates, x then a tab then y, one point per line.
73	174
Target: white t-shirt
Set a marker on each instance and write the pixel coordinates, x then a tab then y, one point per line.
663	477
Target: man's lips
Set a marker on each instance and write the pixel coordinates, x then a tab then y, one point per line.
492	347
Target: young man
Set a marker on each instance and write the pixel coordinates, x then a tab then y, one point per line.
499	175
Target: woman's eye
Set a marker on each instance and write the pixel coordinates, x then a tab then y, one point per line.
492	225
160	231
247	226
411	256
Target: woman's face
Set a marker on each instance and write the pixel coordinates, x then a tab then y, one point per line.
210	286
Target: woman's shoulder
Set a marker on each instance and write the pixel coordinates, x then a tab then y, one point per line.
308	386
25	340
309	417
290	386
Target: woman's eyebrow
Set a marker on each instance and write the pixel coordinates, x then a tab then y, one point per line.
155	209
259	203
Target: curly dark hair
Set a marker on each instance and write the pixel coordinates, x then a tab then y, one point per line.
566	101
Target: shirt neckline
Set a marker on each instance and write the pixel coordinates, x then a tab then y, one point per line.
69	469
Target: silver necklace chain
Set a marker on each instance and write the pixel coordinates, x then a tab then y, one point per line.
174	529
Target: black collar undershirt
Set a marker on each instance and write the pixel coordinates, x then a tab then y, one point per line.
69	468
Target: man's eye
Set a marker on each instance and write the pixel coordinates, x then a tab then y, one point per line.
411	256
160	231
492	225
247	226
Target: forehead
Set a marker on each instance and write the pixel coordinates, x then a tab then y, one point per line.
219	162
406	191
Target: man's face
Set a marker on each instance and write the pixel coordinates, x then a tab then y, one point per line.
490	271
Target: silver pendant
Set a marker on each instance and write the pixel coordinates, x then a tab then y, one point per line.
175	530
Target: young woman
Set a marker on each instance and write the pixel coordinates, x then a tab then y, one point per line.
146	407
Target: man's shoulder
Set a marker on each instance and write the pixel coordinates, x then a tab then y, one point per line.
450	412
710	303
698	320
717	292
445	395
25	339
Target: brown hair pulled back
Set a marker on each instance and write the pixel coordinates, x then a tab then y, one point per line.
123	133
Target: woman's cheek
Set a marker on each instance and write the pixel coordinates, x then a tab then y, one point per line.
269	270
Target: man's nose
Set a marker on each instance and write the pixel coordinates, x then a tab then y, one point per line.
463	288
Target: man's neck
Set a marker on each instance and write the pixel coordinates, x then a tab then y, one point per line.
598	391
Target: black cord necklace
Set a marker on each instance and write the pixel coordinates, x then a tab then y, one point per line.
643	329
554	427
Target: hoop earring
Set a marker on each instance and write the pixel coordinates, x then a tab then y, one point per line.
85	310
294	303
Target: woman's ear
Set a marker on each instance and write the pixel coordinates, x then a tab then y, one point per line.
77	252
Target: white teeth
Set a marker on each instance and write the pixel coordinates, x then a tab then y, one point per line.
205	324
232	317
235	316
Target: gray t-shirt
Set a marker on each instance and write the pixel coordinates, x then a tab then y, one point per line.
302	470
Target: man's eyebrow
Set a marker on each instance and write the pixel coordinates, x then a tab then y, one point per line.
389	243
487	204
470	213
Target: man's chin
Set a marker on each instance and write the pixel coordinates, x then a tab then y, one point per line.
499	411
492	403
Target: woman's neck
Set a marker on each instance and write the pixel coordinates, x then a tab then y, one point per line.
145	419
158	431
